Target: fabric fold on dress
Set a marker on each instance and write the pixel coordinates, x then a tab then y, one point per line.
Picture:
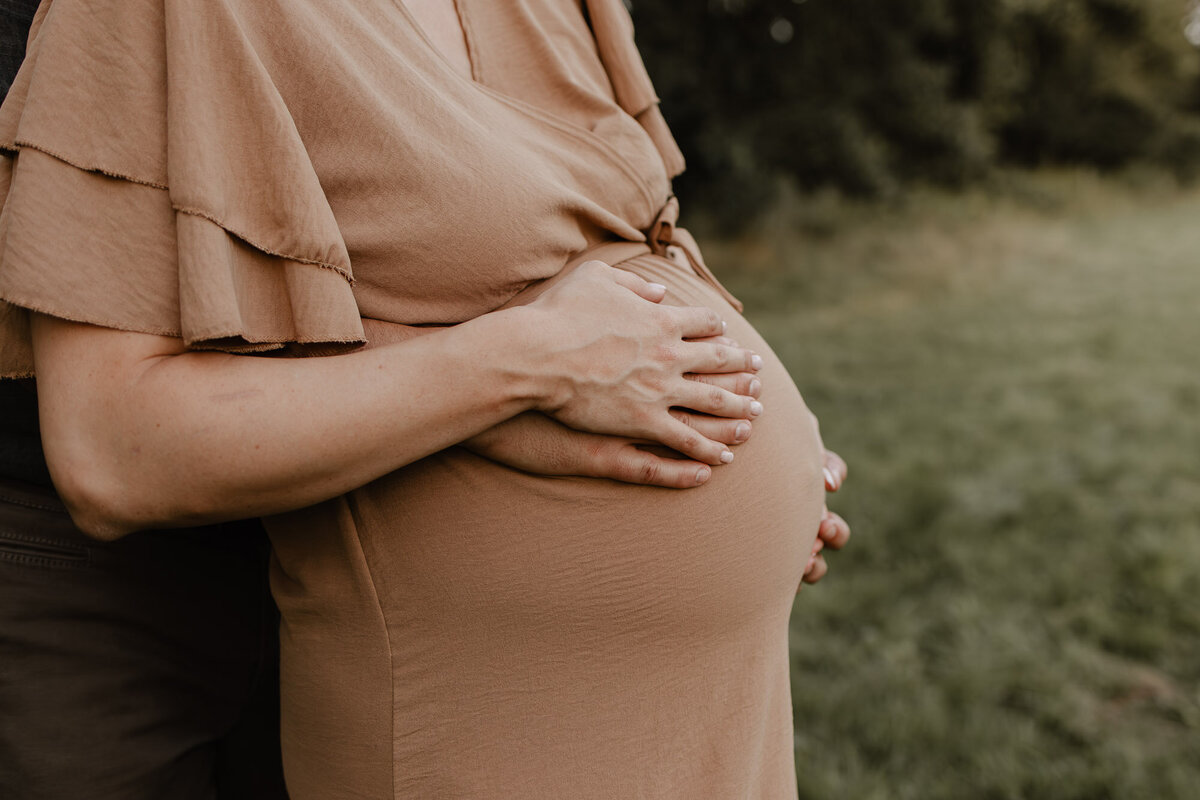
156	182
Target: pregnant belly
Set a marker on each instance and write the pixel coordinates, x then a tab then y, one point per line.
490	546
475	596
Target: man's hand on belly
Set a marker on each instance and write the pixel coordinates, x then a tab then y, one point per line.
833	532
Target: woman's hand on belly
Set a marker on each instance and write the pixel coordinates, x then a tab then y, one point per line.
534	443
621	366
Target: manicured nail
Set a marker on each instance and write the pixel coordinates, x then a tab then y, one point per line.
742	431
756	408
726	457
756	361
755	387
657	286
830	481
703	474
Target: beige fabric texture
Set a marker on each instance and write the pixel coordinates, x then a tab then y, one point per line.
211	166
249	174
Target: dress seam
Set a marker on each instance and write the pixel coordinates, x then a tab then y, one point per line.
387	637
464	21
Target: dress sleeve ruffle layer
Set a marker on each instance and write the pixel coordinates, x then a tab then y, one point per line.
155	182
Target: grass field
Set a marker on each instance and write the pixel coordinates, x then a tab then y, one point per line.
1015	381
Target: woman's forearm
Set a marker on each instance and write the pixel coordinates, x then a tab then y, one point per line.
140	433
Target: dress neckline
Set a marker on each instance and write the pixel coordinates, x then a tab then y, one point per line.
562	124
423	32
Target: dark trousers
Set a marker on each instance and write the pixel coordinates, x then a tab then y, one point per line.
144	669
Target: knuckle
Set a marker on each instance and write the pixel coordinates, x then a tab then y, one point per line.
691	442
716	397
667	354
647	471
596	451
665	322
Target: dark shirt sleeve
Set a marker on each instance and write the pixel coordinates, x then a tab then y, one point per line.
15	17
21	455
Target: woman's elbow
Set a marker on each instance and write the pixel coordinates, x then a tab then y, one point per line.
103	483
112	488
88	415
96	500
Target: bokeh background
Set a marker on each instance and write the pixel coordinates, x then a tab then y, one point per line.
971	228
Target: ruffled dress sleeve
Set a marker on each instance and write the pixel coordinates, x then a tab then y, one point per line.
154	181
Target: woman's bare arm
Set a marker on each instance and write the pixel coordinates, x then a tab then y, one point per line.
139	432
534	443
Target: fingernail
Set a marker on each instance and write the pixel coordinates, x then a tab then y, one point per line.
703	474
742	431
755	387
726	457
756	408
756	361
724	327
830	481
657	286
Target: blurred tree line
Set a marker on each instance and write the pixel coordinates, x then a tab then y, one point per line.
868	96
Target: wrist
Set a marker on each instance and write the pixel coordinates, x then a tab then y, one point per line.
516	348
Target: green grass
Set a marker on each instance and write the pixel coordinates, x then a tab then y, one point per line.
1015	381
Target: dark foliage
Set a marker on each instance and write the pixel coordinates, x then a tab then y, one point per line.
869	97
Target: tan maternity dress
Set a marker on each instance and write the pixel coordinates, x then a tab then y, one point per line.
250	174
